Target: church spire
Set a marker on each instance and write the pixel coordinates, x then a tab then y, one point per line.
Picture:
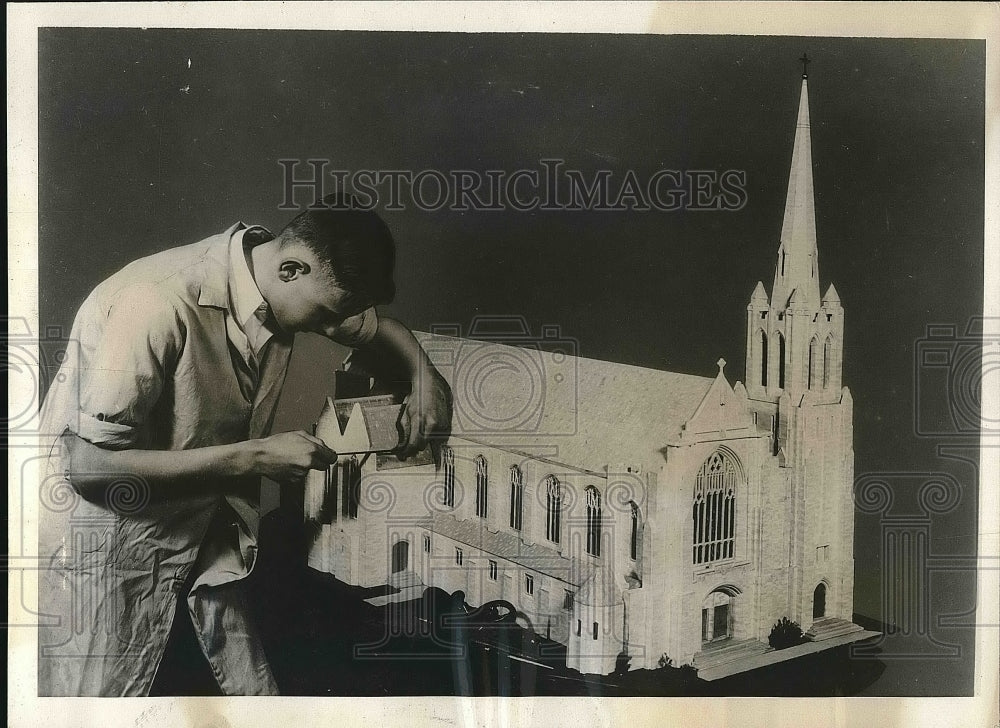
797	268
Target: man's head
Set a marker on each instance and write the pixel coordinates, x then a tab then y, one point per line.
327	265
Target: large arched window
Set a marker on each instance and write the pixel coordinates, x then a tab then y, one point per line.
516	497
714	509
482	485
448	461
593	521
553	508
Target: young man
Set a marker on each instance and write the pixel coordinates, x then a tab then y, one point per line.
153	489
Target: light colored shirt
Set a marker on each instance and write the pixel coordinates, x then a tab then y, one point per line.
246	320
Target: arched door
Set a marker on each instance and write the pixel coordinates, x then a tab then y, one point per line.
400	556
717	617
819	601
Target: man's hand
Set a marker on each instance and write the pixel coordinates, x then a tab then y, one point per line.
427	416
290	455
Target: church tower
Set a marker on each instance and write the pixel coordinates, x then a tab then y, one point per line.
795	337
794	357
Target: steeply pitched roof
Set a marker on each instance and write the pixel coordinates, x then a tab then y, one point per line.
584	413
381	418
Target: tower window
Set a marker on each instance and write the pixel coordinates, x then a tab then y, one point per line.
459	556
516	497
593	521
595	630
781	361
427	544
553	508
810	375
714	509
493	570
827	363
482	483
529	584
763	359
633	542
579	627
763	315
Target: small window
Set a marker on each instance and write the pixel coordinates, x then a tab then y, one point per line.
529	584
427	544
595	630
579	627
493	570
763	314
459	556
567	599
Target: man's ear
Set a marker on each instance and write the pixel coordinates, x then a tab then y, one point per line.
292	268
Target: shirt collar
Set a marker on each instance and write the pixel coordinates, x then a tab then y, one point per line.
245	297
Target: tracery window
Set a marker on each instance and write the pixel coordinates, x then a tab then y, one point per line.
553	508
593	521
516	497
714	509
482	483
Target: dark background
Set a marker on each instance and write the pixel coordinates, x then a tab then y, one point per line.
141	150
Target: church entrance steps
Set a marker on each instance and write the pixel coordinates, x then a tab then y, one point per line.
830	627
404	579
729	651
407	586
770	657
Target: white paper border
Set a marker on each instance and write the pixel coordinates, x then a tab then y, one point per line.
914	20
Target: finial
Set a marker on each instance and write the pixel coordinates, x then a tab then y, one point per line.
805	60
721	363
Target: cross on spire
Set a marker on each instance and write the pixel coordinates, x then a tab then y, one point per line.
805	60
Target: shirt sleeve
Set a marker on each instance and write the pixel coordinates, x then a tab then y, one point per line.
357	330
123	377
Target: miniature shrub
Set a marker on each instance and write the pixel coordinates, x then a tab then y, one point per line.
784	633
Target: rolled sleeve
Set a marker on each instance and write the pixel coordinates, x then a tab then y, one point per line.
123	379
357	330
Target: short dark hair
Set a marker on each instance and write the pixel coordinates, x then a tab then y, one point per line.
354	244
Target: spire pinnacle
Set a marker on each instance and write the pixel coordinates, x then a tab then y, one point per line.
797	267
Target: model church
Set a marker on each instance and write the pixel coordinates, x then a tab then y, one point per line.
632	513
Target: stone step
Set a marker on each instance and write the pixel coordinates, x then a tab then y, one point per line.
405	579
719	655
824	629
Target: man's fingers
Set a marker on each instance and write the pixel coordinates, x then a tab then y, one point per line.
322	450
